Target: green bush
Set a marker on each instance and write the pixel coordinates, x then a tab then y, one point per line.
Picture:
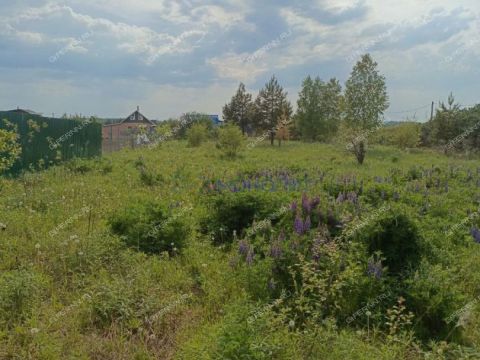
197	134
229	212
151	228
230	140
397	237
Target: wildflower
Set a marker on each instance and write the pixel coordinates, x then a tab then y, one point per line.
243	247
475	234
276	250
307	225
340	198
306	203
293	206
375	268
298	225
250	257
281	236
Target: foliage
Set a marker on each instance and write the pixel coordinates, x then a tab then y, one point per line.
319	113
10	150
230	140
404	136
270	105
240	110
197	134
366	100
151	228
231	213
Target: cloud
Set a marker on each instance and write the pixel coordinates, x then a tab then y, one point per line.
210	45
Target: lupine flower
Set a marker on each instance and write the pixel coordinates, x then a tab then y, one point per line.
307	224
340	198
306	203
352	197
298	225
293	206
475	234
281	236
275	250
375	268
243	247
250	256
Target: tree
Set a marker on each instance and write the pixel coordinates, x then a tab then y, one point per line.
197	134
366	100
270	105
240	109
319	111
230	140
10	149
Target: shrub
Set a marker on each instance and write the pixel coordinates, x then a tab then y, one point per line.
397	237
10	149
230	140
231	212
151	228
197	134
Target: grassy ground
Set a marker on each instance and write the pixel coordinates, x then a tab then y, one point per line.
70	289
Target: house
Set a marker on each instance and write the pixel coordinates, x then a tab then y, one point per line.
215	119
24	112
132	124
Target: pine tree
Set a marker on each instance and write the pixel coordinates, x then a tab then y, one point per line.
271	104
240	110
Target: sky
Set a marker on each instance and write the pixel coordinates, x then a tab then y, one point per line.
105	57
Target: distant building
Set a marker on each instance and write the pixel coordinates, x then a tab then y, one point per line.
25	112
216	119
128	126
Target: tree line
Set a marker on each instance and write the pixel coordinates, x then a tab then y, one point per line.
322	107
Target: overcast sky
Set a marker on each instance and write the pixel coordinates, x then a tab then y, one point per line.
105	57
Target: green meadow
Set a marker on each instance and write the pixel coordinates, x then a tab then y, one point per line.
291	252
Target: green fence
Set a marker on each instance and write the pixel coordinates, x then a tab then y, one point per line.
46	141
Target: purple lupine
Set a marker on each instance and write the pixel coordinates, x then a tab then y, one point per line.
243	247
281	236
475	234
298	225
293	206
340	198
352	197
250	256
375	268
306	204
307	224
275	250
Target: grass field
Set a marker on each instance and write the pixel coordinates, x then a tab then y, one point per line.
80	278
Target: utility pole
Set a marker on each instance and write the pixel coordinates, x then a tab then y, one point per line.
431	113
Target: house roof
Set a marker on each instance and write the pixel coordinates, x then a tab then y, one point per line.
25	111
137	117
